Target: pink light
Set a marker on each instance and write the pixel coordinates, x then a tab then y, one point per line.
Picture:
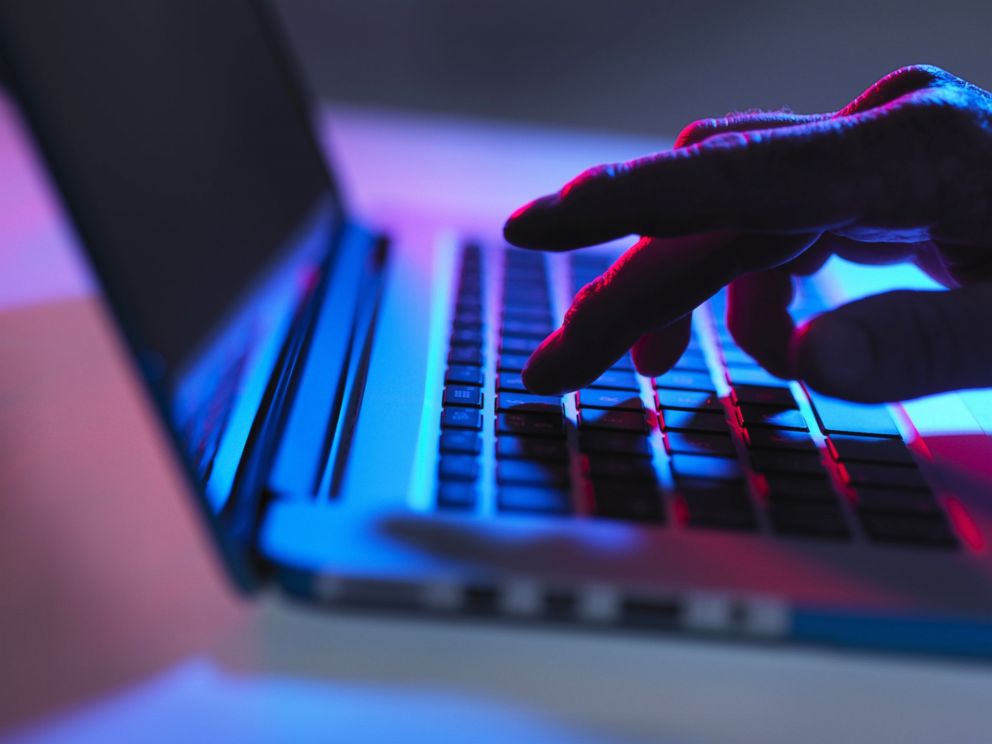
964	525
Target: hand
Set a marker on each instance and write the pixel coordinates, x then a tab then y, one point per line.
903	172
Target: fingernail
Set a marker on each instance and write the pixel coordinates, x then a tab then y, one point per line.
834	357
520	227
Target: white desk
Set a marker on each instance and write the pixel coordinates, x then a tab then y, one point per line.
112	606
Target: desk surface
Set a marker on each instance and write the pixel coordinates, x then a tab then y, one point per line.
117	618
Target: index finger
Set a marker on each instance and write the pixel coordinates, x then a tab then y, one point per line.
812	176
655	283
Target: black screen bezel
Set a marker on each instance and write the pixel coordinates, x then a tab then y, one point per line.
238	553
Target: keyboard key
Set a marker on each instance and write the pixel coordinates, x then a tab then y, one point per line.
612	467
531	448
679	420
786	461
512	362
770	416
704	466
596	398
533	473
698	443
462	322
885	476
869	449
466	355
908	529
774	439
461	418
529	294
824	520
526	328
636	501
526	313
692	360
617	442
685	380
458	467
598	418
469	300
516	345
617	380
764	395
733	356
454	495
717	504
624	363
784	487
842	417
466	337
455	395
530	424
461	442
691	400
754	376
463	375
887	499
467	319
510	381
530	499
525	402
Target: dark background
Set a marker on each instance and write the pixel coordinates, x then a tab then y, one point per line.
631	65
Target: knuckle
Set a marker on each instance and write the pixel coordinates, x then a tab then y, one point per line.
730	140
583	310
921	75
697	131
952	110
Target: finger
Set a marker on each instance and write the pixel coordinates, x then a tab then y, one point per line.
869	252
706	128
811	260
758	303
657	351
758	317
898	345
653	284
897	84
813	176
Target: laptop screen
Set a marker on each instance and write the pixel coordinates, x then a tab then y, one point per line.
185	154
185	157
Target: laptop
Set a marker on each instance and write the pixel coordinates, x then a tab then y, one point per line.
348	404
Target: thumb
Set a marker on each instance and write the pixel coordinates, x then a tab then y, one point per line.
899	345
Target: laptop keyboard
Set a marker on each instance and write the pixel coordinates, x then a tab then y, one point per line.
716	443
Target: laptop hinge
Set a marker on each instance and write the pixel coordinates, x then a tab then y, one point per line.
316	439
332	331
